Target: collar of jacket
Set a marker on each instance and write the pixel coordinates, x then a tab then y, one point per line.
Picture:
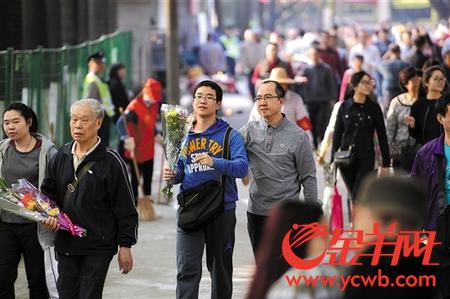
98	154
438	146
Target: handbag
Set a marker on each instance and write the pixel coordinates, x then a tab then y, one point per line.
201	204
408	154
346	158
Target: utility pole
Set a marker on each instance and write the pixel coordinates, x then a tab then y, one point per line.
172	57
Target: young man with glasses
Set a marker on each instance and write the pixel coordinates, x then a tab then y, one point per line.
281	159
201	161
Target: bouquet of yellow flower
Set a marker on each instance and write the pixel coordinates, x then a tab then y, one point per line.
175	126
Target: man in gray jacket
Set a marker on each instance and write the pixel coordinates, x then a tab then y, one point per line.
281	159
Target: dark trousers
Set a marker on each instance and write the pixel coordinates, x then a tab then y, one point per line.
219	239
103	132
146	172
255	227
82	276
231	66
17	240
319	113
251	86
443	282
353	176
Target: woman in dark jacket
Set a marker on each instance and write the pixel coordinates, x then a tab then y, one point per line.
118	92
356	122
422	121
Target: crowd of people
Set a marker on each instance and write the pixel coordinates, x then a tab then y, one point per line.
387	108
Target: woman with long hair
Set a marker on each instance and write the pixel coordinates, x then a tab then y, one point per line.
358	119
24	154
422	121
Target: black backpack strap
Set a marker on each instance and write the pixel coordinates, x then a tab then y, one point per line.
441	178
226	150
76	180
226	144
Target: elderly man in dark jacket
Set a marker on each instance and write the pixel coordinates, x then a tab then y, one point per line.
89	182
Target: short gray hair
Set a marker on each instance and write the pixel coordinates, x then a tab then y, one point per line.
95	106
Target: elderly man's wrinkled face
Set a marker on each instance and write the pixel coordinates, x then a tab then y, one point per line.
84	124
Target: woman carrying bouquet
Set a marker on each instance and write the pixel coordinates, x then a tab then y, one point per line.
24	154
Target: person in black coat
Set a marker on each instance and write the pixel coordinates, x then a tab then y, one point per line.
117	89
422	122
358	118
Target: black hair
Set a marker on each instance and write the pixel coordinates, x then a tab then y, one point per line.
272	44
357	77
428	72
211	84
114	70
26	112
420	41
359	57
441	106
279	90
395	198
406	74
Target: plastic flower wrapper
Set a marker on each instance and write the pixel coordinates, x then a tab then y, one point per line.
30	200
175	126
12	203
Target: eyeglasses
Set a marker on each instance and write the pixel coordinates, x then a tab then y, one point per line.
266	98
207	97
368	82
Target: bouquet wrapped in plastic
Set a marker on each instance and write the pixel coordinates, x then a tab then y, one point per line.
25	200
175	125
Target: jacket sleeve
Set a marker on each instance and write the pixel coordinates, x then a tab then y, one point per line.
332	85
381	132
93	92
416	170
306	169
415	132
179	172
391	123
48	186
122	202
338	132
237	166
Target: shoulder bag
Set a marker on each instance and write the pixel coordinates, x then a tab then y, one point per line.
409	151
202	204
346	158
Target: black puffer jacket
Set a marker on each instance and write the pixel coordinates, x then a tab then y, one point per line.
103	202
